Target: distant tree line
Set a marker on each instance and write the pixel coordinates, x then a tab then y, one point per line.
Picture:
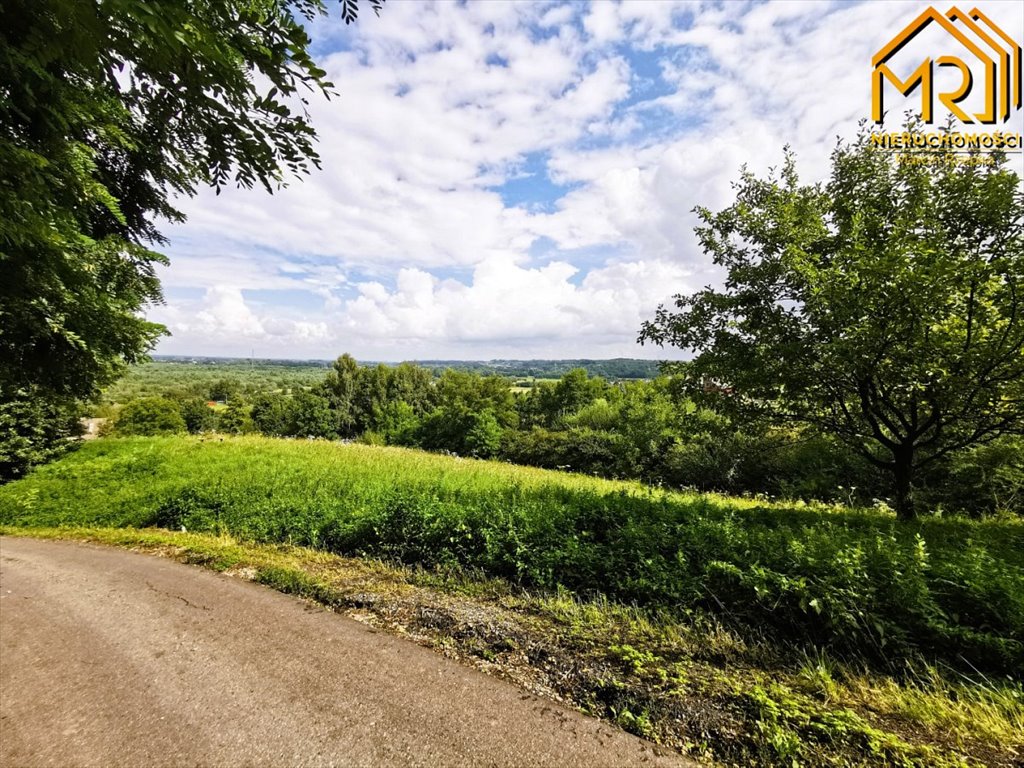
615	368
649	430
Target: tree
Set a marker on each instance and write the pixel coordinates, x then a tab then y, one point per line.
312	416
396	422
483	438
458	428
225	390
109	110
235	419
465	391
33	431
273	414
885	306
358	393
197	415
550	404
576	390
149	416
340	388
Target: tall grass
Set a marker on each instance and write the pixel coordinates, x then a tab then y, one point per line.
856	582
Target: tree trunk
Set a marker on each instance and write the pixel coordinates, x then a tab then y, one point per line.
903	477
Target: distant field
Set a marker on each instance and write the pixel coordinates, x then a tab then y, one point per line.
195	379
526	383
195	376
853	581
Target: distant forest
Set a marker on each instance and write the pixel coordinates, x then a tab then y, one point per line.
615	368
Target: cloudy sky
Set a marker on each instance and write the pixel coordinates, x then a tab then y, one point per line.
515	179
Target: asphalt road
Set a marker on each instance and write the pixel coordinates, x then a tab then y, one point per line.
111	658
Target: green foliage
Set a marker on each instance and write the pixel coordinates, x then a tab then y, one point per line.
197	379
457	429
552	405
358	393
483	439
312	417
396	423
33	430
883	307
779	463
983	480
109	111
273	414
600	415
792	730
462	391
225	390
235	419
855	582
578	450
574	391
149	416
197	415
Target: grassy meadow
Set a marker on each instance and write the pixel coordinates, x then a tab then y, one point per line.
854	583
739	631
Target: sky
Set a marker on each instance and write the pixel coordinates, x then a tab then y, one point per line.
506	179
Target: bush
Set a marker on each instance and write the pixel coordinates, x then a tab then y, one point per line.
577	450
149	416
776	463
395	423
225	390
984	480
483	438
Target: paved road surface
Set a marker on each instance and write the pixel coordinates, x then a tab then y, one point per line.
111	658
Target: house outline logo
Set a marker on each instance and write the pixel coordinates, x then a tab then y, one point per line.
1000	68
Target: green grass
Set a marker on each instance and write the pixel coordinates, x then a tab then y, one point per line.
854	583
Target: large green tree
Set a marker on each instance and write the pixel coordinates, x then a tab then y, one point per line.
109	109
885	306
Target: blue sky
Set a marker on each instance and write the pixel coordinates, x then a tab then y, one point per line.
517	179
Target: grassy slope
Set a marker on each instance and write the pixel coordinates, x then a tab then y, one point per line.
744	606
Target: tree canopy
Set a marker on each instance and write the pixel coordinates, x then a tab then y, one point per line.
108	111
150	416
883	306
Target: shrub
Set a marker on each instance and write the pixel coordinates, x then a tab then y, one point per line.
985	480
579	450
272	414
396	423
483	438
459	429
